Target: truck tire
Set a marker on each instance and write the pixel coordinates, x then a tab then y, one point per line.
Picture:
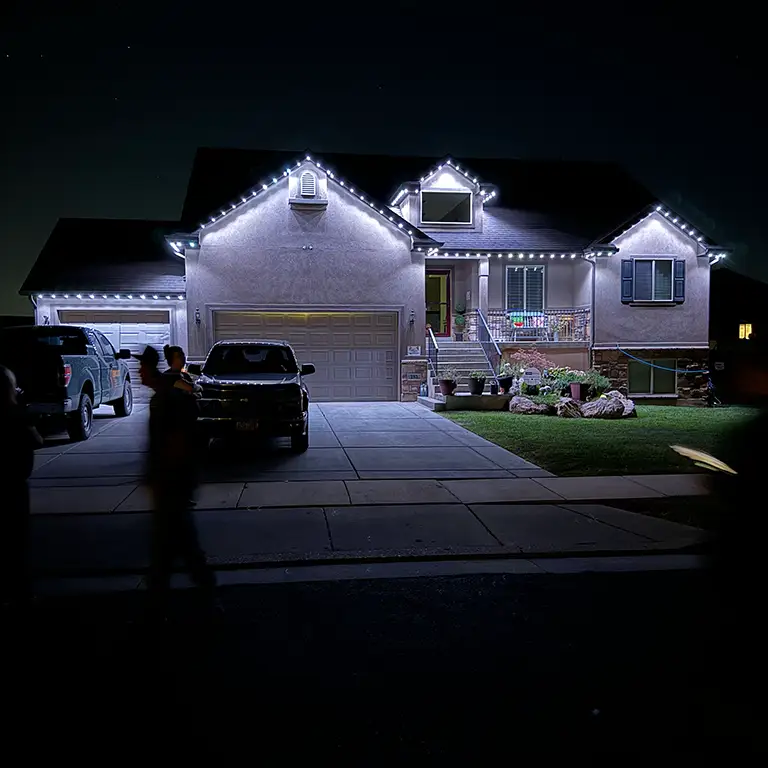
80	422
124	406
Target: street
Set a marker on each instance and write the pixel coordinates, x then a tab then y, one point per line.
461	666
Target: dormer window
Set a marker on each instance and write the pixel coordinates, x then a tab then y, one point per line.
308	184
446	207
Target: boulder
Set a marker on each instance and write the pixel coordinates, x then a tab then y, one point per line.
568	408
629	405
603	408
520	404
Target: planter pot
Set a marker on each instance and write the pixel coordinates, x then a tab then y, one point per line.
476	386
505	382
578	390
459	335
447	386
494	388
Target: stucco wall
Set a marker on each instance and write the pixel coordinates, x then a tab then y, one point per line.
681	324
568	282
259	258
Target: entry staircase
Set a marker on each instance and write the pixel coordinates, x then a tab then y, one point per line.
463	357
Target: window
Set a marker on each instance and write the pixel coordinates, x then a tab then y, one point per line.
250	359
308	184
745	330
106	344
653	280
446	207
657	379
525	289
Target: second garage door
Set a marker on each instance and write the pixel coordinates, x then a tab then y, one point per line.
128	329
355	353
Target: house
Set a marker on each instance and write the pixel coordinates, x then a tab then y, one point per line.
737	333
380	269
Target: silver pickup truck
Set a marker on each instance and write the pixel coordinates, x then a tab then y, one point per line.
64	372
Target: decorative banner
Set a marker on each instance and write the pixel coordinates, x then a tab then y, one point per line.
414	351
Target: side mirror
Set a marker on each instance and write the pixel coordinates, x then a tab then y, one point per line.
307	369
194	369
123	354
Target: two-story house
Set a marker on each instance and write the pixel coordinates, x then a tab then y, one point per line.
373	267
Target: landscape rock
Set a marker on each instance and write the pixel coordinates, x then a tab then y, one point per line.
603	408
520	404
568	408
629	405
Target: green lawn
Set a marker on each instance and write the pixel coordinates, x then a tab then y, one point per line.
607	447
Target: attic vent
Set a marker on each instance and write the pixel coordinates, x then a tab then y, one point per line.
308	184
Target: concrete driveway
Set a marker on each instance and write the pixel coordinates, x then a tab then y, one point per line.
348	441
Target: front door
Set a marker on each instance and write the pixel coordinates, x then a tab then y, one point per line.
438	295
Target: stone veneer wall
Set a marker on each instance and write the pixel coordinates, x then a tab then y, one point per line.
692	386
470	329
413	373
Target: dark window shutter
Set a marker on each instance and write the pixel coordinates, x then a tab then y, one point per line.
679	288
627	287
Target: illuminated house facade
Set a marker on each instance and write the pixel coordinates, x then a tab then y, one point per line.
369	265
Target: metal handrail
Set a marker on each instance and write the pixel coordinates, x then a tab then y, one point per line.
491	340
433	340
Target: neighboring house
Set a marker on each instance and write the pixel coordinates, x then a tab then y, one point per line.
370	266
737	332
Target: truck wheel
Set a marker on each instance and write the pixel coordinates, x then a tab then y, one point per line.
124	405
300	443
80	423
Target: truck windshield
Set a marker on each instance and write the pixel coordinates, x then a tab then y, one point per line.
65	342
250	358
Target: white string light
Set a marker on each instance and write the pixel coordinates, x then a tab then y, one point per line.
130	296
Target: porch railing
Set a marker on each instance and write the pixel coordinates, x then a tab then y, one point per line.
548	325
488	343
432	352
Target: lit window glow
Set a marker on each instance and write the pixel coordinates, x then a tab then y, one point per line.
745	330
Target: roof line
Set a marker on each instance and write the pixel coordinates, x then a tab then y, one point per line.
395	219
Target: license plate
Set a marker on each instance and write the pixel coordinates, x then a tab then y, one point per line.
247	426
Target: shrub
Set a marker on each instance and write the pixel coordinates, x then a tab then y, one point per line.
597	383
546	399
561	383
529	389
448	374
523	359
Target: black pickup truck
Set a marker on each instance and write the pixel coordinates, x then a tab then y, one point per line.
255	388
64	372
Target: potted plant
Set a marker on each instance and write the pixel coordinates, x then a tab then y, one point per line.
477	382
447	380
556	327
506	376
578	385
460	321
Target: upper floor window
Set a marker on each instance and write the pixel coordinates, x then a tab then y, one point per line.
653	279
525	289
308	184
446	207
745	330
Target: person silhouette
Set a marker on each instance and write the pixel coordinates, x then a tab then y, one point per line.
21	440
172	478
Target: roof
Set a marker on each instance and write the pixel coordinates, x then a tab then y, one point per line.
513	229
578	199
107	255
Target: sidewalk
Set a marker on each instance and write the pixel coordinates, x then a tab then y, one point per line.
332	522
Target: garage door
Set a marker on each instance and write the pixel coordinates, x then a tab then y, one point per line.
355	353
129	329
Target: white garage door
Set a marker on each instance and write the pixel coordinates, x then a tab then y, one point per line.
355	353
128	329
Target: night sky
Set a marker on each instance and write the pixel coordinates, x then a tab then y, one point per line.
105	106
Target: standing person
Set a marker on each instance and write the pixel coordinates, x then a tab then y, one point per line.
172	478
176	360
21	441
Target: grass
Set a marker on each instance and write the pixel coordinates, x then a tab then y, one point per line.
607	447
